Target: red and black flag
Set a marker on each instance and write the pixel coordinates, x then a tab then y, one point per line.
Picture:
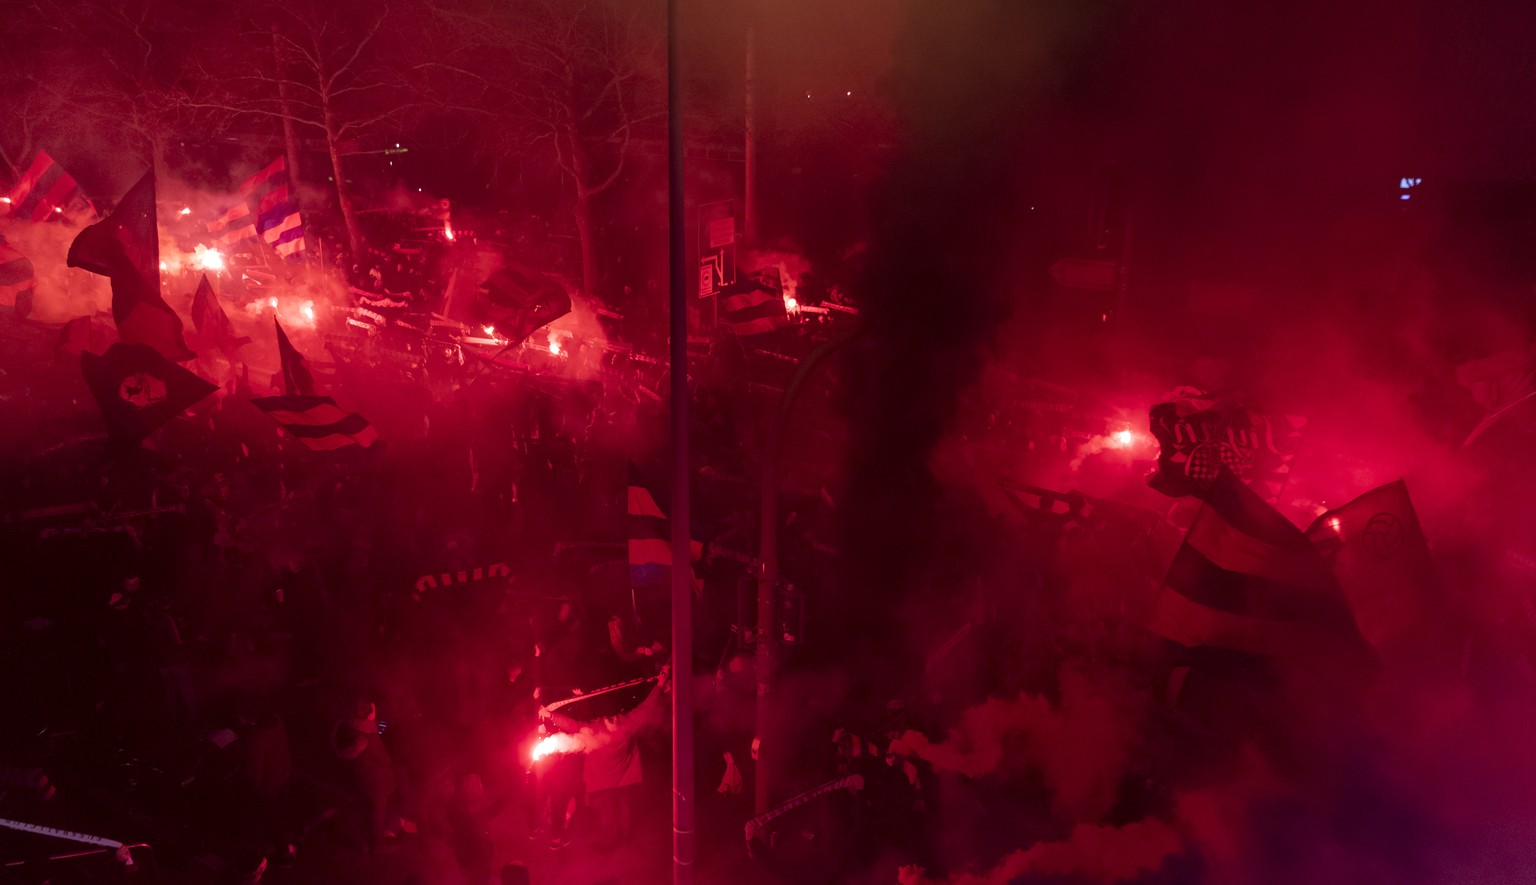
297	381
211	320
45	190
138	390
1381	560
754	305
126	248
317	422
18	282
517	301
1247	580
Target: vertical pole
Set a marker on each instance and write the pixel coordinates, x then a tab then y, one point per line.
768	731
682	571
749	206
767	618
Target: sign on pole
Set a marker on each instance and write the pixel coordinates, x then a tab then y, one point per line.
717	247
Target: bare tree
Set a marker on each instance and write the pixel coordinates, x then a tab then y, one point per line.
571	79
331	69
119	69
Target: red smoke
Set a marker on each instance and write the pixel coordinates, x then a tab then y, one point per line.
1089	854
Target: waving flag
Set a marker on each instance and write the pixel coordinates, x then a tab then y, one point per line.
1382	562
650	536
46	190
315	421
138	390
126	248
754	305
17	279
297	380
211	320
268	208
1247	580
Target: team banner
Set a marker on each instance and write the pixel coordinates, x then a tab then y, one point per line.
1198	435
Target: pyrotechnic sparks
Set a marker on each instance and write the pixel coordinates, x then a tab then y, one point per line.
185	210
448	232
489	330
208	259
272	302
308	310
554	343
554	743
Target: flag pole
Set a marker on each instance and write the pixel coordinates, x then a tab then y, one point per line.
682	569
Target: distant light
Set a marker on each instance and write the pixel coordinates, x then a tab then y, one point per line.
849	92
58	210
397	144
807	93
1405	197
308	310
185	210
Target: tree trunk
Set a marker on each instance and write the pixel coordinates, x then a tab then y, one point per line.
290	138
586	233
343	199
584	236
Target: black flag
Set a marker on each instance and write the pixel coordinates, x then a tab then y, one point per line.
126	248
138	390
211	320
296	378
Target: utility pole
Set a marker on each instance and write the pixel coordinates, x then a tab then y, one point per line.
750	203
682	561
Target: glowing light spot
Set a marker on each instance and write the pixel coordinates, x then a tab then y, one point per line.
849	92
272	302
552	744
448	232
790	304
309	311
5	200
185	210
489	330
1336	525
1124	439
58	210
554	345
162	265
208	259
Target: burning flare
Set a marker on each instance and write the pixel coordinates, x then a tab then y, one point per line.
555	743
448	231
208	259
